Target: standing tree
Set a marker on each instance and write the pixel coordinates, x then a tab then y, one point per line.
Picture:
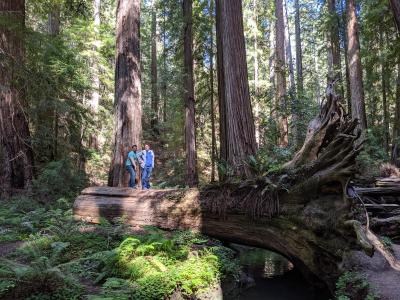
95	98
395	5
299	53
154	76
396	126
355	68
280	74
237	132
190	130
334	61
127	103
212	108
14	129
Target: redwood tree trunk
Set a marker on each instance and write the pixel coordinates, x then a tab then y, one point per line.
396	125
355	68
127	105
212	104
95	99
154	76
346	58
280	74
236	109
299	54
221	86
190	131
384	75
334	61
14	130
395	5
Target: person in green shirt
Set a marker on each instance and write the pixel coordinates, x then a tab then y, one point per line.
131	166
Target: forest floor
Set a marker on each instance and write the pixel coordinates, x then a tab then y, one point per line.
45	254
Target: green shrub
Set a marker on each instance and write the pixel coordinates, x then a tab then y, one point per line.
351	285
58	179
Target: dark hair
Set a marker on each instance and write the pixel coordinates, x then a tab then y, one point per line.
134	146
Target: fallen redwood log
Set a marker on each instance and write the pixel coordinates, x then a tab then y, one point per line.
301	210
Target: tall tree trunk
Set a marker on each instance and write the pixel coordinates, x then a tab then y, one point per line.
212	104
355	68
384	77
271	66
236	109
334	61
154	76
299	78
164	86
396	125
190	131
221	87
346	58
127	105
299	53
95	98
14	129
280	74
395	5
292	86
256	71
53	27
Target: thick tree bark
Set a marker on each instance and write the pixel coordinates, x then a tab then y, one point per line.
95	98
237	114
154	72
384	76
127	105
271	66
355	68
190	131
334	60
221	86
396	126
164	85
280	74
212	104
14	129
256	101
395	5
346	58
299	53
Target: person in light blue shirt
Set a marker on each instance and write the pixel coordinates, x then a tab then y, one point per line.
148	166
131	165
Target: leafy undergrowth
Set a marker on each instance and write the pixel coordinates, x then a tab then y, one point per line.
352	286
58	257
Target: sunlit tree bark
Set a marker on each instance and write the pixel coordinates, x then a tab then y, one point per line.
190	131
127	105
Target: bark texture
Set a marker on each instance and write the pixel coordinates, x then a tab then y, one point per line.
280	73
95	98
237	132
355	68
299	53
154	72
395	6
223	147
212	104
14	131
190	130
127	103
334	61
396	126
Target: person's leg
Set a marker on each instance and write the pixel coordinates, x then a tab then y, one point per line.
148	174
132	176
143	178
